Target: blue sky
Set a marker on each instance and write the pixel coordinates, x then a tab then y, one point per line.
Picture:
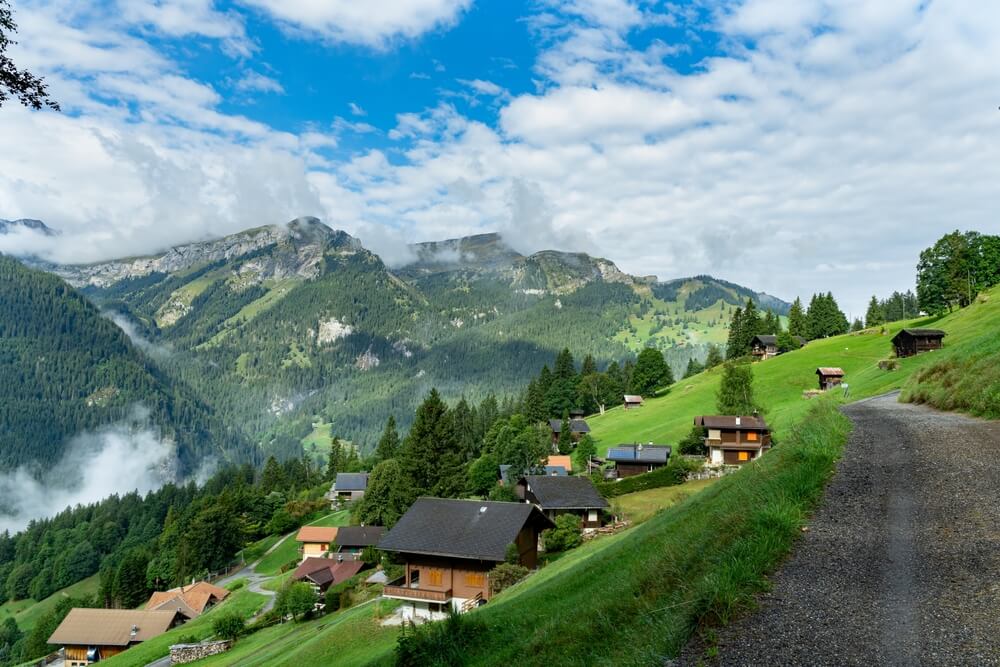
792	146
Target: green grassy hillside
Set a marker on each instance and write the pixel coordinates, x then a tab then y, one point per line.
27	612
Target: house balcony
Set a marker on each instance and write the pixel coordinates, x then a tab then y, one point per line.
416	594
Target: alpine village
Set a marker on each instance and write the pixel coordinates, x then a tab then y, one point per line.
253	441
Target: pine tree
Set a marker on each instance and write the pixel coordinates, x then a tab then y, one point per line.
733	346
714	357
735	395
431	460
386	498
693	368
273	477
589	365
465	429
388	444
565	443
875	315
561	394
335	460
797	320
857	325
751	326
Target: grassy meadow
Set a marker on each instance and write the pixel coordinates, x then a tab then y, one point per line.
27	612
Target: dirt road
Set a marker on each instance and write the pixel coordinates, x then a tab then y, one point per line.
901	564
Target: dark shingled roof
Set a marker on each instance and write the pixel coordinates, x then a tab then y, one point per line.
479	530
639	453
548	470
920	333
830	371
351	481
567	493
358	536
575	426
766	339
725	421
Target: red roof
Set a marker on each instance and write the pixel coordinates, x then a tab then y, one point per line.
316	535
327	570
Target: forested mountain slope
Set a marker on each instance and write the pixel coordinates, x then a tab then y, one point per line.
65	369
280	327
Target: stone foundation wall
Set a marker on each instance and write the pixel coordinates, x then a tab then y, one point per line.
184	653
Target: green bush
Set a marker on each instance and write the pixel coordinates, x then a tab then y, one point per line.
228	626
671	474
236	585
440	644
566	534
506	575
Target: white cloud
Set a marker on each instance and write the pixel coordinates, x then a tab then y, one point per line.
356	109
182	18
372	24
252	81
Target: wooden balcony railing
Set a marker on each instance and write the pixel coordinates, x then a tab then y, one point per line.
416	594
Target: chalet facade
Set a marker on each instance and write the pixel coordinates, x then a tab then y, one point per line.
632	460
349	486
765	346
322	573
909	342
353	539
829	377
92	635
555	496
632	401
450	546
734	440
315	541
190	601
577	429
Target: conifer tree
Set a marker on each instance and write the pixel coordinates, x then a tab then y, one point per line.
273	476
565	443
561	394
714	357
875	316
335	461
431	459
388	444
857	325
797	320
693	368
733	346
589	365
651	372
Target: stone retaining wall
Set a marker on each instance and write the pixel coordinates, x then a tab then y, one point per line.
184	653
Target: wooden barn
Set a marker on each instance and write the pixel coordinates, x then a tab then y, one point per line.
92	635
632	401
829	377
632	460
909	342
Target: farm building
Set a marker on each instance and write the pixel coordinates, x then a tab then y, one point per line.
734	440
829	377
632	401
564	495
349	486
450	546
354	539
322	573
577	429
765	346
909	342
632	460
92	635
315	540
191	601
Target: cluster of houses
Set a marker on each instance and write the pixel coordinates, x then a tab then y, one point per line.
92	635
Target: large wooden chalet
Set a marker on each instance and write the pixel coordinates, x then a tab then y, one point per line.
909	342
765	346
564	495
632	460
734	440
315	540
92	635
450	546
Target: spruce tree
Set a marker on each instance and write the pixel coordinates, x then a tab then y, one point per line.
273	477
857	325
431	458
750	326
565	443
875	316
693	368
797	320
589	365
561	393
733	349
388	444
735	395
335	460
714	357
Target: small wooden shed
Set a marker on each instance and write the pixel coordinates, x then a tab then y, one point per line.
829	377
632	401
914	341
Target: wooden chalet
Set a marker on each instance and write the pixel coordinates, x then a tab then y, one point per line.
564	495
450	546
354	539
631	401
909	342
734	440
190	601
829	377
632	460
577	414
554	471
315	540
577	429
349	486
92	635
564	461
765	346
322	573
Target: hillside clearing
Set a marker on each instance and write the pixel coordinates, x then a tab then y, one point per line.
27	612
641	505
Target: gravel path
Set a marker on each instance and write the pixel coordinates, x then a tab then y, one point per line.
901	564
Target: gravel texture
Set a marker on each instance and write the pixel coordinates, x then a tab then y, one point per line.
901	562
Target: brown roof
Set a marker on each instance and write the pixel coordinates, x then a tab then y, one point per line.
110	627
316	534
196	597
747	423
322	571
633	398
830	371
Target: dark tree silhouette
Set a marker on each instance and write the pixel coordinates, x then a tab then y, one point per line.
22	84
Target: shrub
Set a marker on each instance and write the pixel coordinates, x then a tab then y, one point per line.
296	599
335	597
566	534
504	493
236	585
228	626
442	644
289	566
506	575
671	474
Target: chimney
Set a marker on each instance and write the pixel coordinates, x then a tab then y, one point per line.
135	631
737	421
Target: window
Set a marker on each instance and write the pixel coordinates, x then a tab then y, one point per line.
752	436
435	577
744	456
475	579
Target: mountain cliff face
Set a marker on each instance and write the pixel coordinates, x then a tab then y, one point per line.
280	327
11	226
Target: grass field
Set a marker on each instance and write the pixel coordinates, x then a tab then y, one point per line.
27	612
243	602
642	505
351	637
252	552
289	548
